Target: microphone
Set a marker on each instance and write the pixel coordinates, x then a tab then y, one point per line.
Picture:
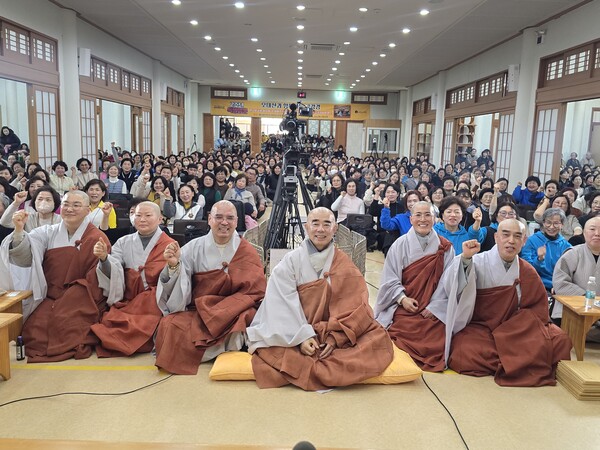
304	445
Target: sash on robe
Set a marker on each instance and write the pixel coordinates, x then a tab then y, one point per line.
224	303
337	308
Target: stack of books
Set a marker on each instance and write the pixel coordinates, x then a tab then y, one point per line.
581	378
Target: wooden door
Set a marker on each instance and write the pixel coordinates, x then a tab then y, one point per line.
89	136
547	141
448	150
502	156
45	126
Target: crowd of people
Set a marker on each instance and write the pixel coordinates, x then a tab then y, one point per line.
448	233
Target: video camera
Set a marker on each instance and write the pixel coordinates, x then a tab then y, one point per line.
291	123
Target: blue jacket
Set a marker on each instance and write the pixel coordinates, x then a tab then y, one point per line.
455	237
481	234
399	222
525	197
554	250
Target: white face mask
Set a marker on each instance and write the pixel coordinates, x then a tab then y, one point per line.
44	207
132	220
333	172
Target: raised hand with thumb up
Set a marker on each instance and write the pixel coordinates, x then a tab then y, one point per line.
101	250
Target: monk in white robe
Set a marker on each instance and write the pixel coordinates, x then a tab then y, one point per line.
128	277
497	321
576	266
315	328
67	300
406	305
208	293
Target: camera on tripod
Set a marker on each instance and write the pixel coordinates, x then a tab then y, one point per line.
291	123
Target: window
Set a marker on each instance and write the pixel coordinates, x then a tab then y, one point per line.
237	93
16	41
577	62
371	99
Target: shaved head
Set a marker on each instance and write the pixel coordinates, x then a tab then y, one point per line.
148	204
594	221
320	210
511	223
225	206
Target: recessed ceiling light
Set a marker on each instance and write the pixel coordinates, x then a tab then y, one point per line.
326	84
374	63
237	70
382	55
328	79
194	22
299	67
263	58
217	49
239	5
254	39
268	71
176	2
300	52
367	70
241	76
406	30
330	74
362	76
299	73
300	78
337	61
363	9
353	29
353	84
358	81
334	68
300	7
351	87
300	27
424	12
300	60
347	43
208	37
266	66
231	64
341	53
272	81
225	57
391	45
259	50
245	81
300	41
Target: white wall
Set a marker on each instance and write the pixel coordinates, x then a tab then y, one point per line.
483	130
13	108
578	122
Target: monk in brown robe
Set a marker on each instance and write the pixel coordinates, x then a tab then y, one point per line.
208	293
315	328
499	315
67	300
406	304
129	276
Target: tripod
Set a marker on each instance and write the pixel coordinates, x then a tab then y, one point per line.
285	217
194	145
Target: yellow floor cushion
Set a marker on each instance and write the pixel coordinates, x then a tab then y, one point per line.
237	366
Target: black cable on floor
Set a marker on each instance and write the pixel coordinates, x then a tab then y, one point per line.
372	285
86	393
448	411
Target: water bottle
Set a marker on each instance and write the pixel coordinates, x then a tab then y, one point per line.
590	293
20	348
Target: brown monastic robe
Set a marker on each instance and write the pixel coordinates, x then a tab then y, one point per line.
224	303
129	325
423	339
59	328
515	343
340	314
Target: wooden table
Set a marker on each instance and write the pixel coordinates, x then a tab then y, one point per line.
576	321
6	319
11	302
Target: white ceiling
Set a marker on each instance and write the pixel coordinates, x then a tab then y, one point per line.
453	31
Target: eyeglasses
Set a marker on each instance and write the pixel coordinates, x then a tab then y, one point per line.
507	214
553	224
220	218
421	215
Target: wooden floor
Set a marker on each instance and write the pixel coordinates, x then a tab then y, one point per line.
192	412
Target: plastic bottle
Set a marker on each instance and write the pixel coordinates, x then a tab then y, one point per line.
20	348
590	293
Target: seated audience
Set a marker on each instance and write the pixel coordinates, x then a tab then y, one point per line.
348	202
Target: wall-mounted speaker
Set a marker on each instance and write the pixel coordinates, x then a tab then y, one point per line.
512	80
85	62
163	91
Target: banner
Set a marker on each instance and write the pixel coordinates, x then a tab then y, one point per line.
322	111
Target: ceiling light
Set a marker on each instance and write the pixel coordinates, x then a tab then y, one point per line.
300	52
299	73
300	41
326	84
231	64
374	63
330	74
176	2
382	55
245	81
217	49
300	60
225	57
363	9
351	87
367	70
391	45
334	68
299	67
237	70
300	7
353	29
268	71
347	43
406	30
266	66
328	79
341	53
263	58
358	81
259	50
208	38
239	5
353	84
194	22
424	12
300	27
273	81
241	76
254	39
300	78
337	61
362	76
